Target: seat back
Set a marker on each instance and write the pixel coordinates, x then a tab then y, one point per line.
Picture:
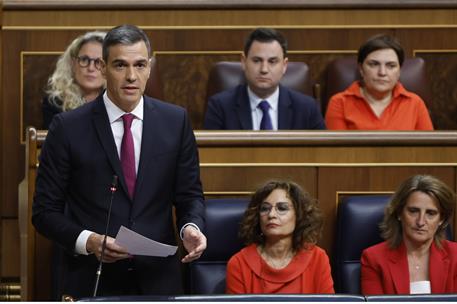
357	228
225	75
223	217
343	71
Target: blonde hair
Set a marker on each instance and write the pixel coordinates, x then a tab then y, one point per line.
62	89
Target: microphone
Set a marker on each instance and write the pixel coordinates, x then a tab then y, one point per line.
113	189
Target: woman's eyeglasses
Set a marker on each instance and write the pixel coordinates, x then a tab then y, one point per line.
281	208
84	62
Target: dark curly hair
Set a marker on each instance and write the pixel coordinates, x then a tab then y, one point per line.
391	227
309	219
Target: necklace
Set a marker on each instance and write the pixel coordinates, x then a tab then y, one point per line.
415	262
275	263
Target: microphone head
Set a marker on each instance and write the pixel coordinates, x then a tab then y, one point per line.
114	183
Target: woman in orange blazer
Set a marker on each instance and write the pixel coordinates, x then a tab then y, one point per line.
415	258
281	227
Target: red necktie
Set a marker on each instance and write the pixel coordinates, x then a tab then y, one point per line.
128	154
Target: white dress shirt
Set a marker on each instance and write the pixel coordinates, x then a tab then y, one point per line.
117	127
256	112
420	287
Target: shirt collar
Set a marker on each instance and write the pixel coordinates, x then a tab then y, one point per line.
254	100
115	113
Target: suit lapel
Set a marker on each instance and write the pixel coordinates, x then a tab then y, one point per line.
285	111
438	268
398	267
148	138
243	108
105	135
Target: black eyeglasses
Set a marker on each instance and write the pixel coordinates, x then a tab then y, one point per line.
281	208
84	62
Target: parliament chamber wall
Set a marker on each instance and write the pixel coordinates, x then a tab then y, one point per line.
188	37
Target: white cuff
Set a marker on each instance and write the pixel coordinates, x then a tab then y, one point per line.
81	241
185	225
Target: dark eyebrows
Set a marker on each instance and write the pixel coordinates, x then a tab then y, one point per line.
140	61
413	208
115	61
371	61
268	59
265	202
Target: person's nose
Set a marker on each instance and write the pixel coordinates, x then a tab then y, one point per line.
382	70
421	219
131	74
264	67
273	212
91	67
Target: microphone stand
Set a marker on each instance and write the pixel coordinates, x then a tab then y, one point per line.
113	189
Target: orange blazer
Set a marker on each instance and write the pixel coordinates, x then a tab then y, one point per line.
385	270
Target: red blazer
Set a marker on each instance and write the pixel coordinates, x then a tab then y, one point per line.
385	270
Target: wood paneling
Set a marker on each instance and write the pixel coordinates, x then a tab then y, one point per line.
233	180
230	17
10	248
205	4
443	105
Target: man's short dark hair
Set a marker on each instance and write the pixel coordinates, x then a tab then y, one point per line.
380	42
126	34
265	35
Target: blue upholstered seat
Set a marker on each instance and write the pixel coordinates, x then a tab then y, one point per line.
223	217
357	228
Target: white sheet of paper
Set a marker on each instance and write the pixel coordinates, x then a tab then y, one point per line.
136	244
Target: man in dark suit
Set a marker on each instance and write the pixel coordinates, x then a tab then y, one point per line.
156	161
262	103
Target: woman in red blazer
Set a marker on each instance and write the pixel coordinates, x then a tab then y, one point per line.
415	258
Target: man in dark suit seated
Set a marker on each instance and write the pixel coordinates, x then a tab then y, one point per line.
150	146
262	103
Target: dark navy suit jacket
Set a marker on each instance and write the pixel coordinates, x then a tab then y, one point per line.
231	110
77	164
